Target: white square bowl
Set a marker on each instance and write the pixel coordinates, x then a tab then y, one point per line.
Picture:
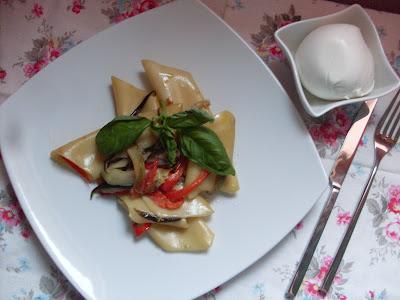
289	38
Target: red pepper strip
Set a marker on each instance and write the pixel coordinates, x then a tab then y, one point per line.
186	190
148	165
78	169
174	177
149	178
139	229
162	201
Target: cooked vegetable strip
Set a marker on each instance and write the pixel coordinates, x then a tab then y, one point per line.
139	229
127	99
149	179
154	218
185	191
133	205
208	185
117	162
174	176
76	168
138	219
118	177
163	201
81	155
138	165
138	109
106	189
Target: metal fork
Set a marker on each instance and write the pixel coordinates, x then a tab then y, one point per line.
387	134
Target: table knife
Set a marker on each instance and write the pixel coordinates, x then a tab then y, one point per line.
336	178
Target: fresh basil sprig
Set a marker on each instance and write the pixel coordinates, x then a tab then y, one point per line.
120	133
183	131
202	146
189	118
167	137
168	141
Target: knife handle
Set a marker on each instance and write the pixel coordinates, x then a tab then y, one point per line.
312	245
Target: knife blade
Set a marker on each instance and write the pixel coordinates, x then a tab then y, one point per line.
336	178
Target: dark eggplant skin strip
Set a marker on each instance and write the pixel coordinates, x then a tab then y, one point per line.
109	189
156	219
141	105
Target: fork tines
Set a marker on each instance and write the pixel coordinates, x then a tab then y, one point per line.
389	125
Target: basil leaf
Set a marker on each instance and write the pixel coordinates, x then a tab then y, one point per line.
167	137
188	119
120	133
170	145
202	146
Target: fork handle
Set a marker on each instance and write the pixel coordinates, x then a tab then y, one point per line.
330	275
312	245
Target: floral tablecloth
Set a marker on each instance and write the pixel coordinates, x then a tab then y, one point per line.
33	33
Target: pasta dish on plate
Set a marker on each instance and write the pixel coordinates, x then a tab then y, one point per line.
162	156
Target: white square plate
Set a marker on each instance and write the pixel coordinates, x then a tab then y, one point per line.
91	242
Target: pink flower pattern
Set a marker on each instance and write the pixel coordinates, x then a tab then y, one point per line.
77	6
45	49
393	230
328	130
384	205
264	41
37	10
3	75
11	215
311	288
394	205
343	218
373	295
318	268
394	191
119	11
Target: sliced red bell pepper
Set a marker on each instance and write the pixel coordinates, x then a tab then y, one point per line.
174	176
162	201
78	169
139	229
149	178
148	165
186	190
